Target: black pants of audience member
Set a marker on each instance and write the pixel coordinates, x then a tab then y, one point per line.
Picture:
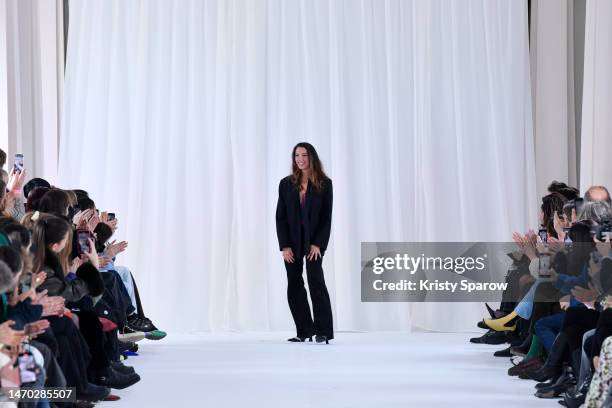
298	300
578	320
116	304
139	310
73	353
546	303
91	329
514	290
603	331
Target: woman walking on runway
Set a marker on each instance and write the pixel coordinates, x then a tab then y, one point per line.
303	225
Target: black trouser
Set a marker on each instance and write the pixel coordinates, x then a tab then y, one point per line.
603	330
298	301
91	329
546	303
73	356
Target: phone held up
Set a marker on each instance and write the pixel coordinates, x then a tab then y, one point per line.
83	237
18	164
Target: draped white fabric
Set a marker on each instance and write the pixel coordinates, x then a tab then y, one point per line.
595	163
181	115
31	79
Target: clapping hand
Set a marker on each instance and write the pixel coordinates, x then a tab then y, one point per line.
115	248
35	328
9	336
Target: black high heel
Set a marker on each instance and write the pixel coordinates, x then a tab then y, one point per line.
321	339
297	339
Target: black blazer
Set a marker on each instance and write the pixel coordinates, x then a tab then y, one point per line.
317	216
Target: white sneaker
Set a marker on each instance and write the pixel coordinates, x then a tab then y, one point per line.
130	335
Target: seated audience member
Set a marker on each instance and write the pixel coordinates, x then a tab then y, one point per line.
559	331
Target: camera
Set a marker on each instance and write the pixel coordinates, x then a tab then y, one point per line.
603	230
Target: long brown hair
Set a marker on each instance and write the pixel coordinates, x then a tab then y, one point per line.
48	230
317	175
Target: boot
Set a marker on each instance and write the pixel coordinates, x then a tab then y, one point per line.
563	383
523	348
554	363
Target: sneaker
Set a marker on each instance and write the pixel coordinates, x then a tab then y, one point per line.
142	324
128	334
155	335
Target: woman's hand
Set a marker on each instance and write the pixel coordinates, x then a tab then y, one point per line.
81	219
558	225
288	255
526	243
15	181
314	254
115	248
111	223
74	265
93	221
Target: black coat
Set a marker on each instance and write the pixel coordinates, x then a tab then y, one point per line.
317	215
87	282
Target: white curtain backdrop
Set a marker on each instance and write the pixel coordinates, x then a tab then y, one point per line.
553	70
181	115
31	79
595	163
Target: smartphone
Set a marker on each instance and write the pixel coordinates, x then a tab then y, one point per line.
111	216
543	233
27	368
18	166
544	270
83	237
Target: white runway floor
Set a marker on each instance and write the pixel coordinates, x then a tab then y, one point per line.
250	370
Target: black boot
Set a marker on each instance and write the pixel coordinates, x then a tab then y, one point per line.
92	392
576	398
523	348
563	383
503	353
554	363
120	367
110	378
